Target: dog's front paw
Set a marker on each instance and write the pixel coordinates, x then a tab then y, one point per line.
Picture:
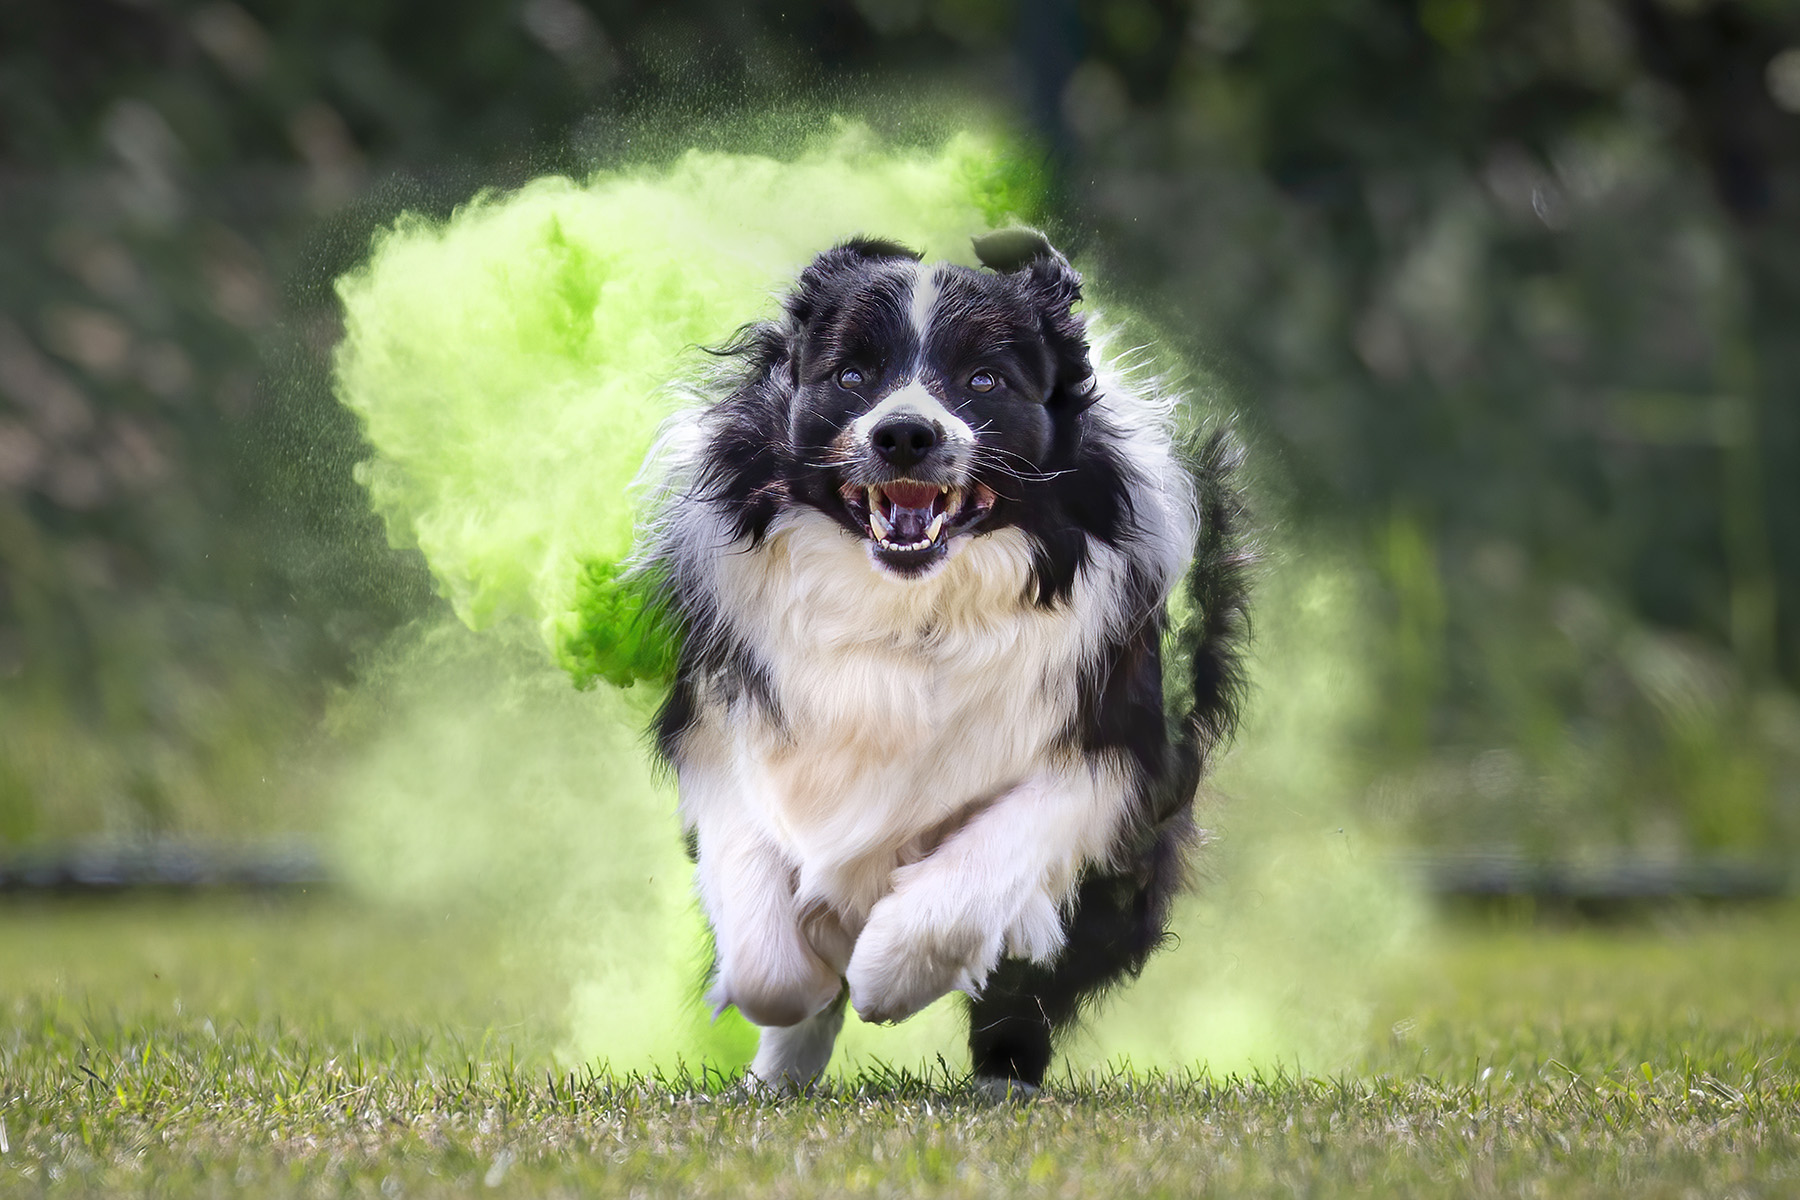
907	956
774	989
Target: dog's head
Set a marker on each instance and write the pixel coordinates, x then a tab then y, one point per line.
929	402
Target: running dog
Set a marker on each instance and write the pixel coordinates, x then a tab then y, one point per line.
933	726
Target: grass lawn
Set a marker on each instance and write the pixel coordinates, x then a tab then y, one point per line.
181	1048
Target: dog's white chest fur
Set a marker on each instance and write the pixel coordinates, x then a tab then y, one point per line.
904	704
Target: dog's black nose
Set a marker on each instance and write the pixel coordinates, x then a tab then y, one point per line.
902	441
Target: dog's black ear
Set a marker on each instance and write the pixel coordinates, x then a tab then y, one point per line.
815	280
853	253
873	247
1010	251
1055	286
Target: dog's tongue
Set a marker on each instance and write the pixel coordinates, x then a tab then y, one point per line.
913	507
910	495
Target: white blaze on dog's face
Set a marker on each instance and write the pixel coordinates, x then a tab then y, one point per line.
930	397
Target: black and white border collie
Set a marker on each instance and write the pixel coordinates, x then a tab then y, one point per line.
921	553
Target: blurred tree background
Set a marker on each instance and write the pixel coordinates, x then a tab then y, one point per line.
1507	295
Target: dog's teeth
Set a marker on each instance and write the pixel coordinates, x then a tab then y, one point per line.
874	499
879	523
936	527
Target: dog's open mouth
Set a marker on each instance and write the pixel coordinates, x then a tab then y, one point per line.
906	517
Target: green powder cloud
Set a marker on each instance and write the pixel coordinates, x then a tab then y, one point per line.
511	366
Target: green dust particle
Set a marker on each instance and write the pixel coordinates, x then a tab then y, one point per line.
512	364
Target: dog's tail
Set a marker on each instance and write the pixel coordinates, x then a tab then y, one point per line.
1210	638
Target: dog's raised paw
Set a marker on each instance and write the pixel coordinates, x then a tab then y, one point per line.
781	995
904	960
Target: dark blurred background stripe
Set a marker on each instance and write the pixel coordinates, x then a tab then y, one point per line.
1505	293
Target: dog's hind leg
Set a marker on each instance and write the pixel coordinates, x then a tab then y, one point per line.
1118	920
790	1058
1014	1023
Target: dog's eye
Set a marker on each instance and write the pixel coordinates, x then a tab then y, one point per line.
850	377
983	381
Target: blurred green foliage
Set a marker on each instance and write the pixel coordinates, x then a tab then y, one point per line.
1504	294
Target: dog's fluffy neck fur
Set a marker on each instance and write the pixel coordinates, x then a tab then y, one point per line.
889	707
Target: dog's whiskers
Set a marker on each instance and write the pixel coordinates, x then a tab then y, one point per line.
995	461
